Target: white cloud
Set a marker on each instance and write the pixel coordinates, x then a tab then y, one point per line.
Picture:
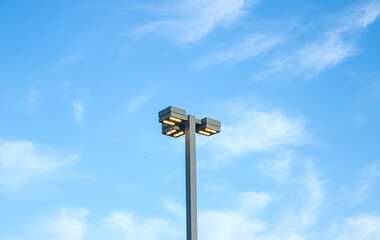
337	44
372	171
68	224
175	208
252	202
364	186
73	224
252	130
361	16
306	215
127	226
321	54
235	223
30	104
193	19
358	193
69	59
278	168
244	222
311	59
251	47
228	225
137	102
23	161
298	217
360	228
78	111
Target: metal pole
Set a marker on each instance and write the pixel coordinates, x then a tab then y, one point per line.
191	182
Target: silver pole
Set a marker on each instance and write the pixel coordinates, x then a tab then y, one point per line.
191	182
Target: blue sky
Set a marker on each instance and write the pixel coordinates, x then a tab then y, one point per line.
295	84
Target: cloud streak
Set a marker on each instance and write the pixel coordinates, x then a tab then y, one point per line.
251	47
127	226
79	109
365	184
190	21
254	130
360	228
69	223
22	162
137	102
30	104
336	45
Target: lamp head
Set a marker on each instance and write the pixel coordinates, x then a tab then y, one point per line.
172	131
209	127
172	116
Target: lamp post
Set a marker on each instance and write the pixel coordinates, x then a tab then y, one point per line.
176	123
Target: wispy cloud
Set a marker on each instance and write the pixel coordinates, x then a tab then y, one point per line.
254	130
137	102
69	223
228	225
360	228
337	44
253	202
30	105
251	47
243	221
74	223
175	208
318	55
304	217
360	16
372	171
234	223
23	161
79	109
278	168
190	21
127	226
365	184
69	59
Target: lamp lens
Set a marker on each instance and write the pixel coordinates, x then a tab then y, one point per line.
170	132
175	119
210	130
168	122
204	133
178	134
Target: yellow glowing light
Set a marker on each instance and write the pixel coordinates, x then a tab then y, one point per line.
210	130
168	122
175	119
178	134
204	133
170	132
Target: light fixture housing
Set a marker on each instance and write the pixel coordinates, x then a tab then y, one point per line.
172	116
209	127
172	131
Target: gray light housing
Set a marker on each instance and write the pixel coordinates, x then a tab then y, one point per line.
166	129
209	123
172	112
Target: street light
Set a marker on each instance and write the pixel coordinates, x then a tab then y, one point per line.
176	123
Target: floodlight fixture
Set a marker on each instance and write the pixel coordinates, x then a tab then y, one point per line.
172	116
209	127
176	123
172	131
